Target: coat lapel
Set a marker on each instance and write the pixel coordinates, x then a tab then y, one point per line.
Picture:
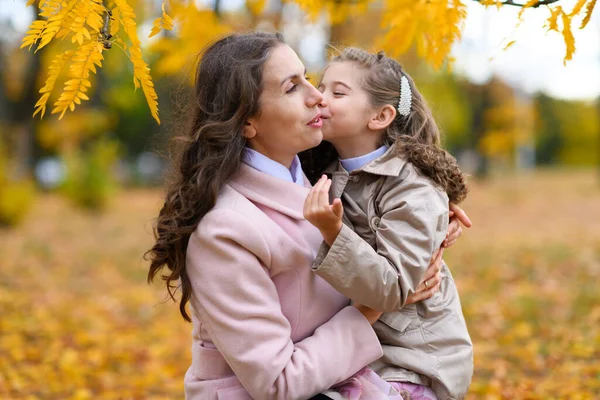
277	194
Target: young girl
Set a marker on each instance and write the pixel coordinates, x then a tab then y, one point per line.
390	189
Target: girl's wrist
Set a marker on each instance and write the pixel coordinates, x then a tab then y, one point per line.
329	235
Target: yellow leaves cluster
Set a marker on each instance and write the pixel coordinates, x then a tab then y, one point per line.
197	28
336	11
93	27
83	61
558	14
141	72
164	22
432	25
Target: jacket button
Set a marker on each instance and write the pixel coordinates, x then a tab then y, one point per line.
375	222
354	178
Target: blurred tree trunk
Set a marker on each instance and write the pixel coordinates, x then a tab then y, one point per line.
481	102
23	140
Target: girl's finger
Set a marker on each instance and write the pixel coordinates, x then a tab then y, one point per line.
315	197
337	208
324	194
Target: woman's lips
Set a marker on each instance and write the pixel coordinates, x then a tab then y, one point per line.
317	122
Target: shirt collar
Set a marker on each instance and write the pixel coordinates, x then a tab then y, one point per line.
270	167
388	164
350	164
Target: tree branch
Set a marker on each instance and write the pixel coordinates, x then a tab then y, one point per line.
512	3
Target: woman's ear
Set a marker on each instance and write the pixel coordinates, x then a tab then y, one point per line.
383	118
249	130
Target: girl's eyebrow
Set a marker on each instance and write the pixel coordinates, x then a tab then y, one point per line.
341	83
294	76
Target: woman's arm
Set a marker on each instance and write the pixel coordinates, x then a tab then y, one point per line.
237	303
412	228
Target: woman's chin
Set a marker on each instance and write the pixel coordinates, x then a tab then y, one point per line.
315	139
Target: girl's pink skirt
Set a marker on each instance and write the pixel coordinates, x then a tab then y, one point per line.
367	385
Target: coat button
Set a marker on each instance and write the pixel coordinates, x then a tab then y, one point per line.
375	222
354	178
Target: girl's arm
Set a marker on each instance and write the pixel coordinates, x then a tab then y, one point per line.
413	225
237	303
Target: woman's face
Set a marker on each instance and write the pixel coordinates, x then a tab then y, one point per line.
345	108
289	119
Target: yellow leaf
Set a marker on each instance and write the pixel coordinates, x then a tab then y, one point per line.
255	6
588	14
578	7
164	22
529	4
568	36
553	19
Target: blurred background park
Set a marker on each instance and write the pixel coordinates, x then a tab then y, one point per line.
519	108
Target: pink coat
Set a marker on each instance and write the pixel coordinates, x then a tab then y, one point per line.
266	326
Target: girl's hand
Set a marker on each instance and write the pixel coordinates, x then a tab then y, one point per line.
317	210
457	216
431	280
371	315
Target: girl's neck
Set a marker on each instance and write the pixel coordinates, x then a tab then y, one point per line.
351	147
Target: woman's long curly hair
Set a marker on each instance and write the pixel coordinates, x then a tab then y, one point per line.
416	136
210	148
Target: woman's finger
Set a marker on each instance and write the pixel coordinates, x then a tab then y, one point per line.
430	282
461	215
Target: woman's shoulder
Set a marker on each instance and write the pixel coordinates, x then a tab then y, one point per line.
231	211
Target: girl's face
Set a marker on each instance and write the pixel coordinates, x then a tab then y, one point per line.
289	120
345	108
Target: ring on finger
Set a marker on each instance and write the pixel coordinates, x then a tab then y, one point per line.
426	285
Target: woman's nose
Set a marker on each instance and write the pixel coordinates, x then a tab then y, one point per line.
314	97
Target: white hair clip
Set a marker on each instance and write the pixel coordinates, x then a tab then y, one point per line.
405	97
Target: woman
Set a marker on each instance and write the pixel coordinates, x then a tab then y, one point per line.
232	233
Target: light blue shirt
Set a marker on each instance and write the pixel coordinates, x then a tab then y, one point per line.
264	164
350	164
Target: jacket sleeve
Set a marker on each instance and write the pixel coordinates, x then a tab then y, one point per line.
412	226
237	303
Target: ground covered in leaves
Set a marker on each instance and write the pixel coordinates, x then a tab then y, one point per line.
78	321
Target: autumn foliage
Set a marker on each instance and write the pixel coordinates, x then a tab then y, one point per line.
78	320
95	27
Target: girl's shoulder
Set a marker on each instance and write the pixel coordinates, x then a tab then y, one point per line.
411	186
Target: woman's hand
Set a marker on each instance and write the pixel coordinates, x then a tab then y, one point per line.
431	280
457	216
317	210
371	315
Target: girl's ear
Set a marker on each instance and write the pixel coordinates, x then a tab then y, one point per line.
383	118
249	130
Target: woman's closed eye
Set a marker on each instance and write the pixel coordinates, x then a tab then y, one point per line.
293	88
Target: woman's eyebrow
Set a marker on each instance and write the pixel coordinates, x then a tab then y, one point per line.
294	76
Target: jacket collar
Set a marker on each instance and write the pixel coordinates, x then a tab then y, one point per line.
277	194
389	164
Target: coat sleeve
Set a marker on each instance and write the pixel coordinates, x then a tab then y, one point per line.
237	303
412	226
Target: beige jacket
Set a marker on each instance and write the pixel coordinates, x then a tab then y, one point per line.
395	219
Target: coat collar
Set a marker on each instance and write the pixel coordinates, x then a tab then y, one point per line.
389	164
277	194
